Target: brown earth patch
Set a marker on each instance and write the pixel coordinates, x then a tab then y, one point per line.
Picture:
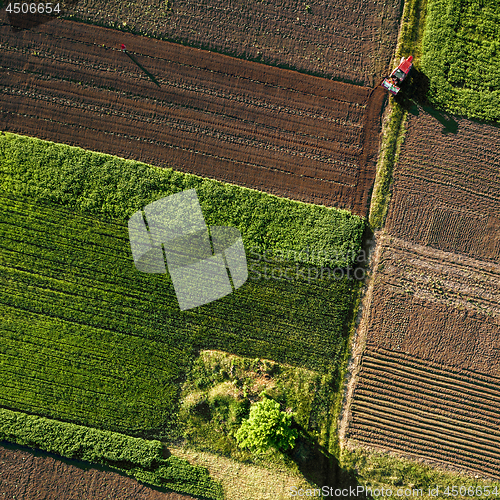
447	188
348	40
429	378
279	131
437	306
38	476
428	383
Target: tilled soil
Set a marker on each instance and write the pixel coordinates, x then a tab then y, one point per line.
447	187
38	476
279	131
428	382
437	306
402	403
349	40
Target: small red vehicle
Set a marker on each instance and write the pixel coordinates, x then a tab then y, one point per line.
392	81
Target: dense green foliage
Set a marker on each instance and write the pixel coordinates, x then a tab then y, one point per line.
76	441
136	457
88	338
461	47
267	427
103	185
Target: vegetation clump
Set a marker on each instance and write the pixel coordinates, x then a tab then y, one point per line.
460	48
267	427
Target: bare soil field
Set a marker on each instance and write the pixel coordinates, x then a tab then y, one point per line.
422	409
437	306
351	41
38	476
447	188
429	378
428	381
275	130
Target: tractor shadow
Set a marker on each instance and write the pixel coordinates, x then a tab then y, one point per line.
321	467
145	71
413	98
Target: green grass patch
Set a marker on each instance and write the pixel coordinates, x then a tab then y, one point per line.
461	47
412	30
392	138
86	338
220	388
135	457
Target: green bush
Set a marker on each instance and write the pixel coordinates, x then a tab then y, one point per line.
267	427
76	441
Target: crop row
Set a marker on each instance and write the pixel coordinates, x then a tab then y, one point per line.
74	178
191	109
184	87
278	170
483	386
407	442
96	269
418	407
329	161
87	337
337	40
472	233
289	134
135	457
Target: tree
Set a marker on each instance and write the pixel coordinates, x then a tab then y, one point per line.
267	427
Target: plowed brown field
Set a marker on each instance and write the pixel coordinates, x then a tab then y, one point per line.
437	306
38	476
405	404
447	188
348	40
429	376
279	131
428	383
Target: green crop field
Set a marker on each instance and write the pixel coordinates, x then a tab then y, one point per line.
87	338
461	47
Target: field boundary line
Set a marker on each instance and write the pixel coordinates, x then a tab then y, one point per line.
393	133
357	343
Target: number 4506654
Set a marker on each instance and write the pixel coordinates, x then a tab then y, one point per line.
33	8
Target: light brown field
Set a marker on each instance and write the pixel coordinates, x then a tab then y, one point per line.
428	381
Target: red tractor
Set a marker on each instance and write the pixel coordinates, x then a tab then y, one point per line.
392	81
